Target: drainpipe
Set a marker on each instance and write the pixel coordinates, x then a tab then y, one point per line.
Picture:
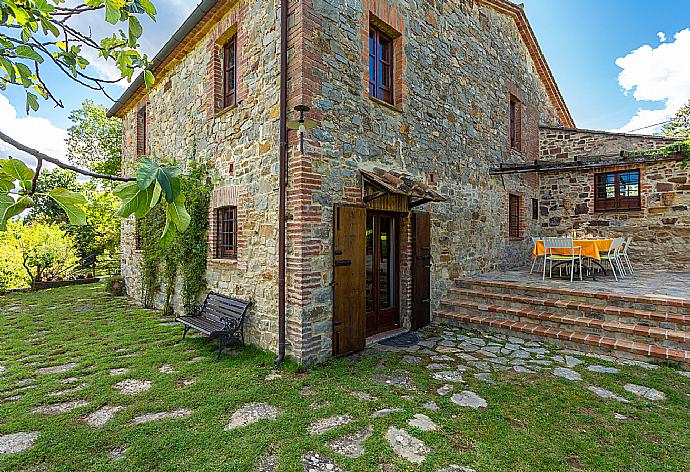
282	186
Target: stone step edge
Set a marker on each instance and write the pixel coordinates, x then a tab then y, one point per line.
662	316
674	302
613	344
611	326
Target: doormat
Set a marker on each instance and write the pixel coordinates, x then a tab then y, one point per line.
403	340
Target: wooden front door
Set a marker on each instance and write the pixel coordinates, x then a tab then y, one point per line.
382	272
421	269
349	325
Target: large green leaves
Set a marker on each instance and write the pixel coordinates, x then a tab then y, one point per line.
9	208
167	177
16	169
153	183
71	203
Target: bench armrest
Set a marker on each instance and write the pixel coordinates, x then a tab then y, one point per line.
231	324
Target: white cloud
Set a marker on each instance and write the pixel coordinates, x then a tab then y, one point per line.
38	133
660	74
662	36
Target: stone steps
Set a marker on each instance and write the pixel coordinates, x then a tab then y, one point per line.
635	332
658	304
637	327
597	311
572	339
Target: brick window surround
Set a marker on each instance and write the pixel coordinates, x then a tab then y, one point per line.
380	65
618	191
516	217
383	16
142	125
230	72
228	29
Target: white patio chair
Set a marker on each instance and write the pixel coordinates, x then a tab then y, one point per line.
535	257
613	257
569	254
624	254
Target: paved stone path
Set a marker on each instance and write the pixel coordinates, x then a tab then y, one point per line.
58	369
407	446
57	408
321	426
645	392
17	442
163	415
352	444
469	399
132	386
251	413
423	422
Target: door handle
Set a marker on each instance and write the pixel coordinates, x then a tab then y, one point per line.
343	263
338	252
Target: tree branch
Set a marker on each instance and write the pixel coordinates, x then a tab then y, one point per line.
34	181
40	156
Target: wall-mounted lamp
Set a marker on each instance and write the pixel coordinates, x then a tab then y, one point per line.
302	125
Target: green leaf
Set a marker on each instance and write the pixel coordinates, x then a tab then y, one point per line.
135	29
149	8
24	75
9	68
69	202
112	12
5	203
6	185
146	173
16	169
156	194
168	234
168	178
177	213
31	102
134	200
28	53
149	79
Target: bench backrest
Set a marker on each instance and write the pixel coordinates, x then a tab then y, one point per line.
217	306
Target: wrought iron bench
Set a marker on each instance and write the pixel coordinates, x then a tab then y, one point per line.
220	316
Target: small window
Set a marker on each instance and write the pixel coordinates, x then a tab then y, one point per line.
230	72
142	138
514	216
515	124
380	65
617	191
226	233
535	209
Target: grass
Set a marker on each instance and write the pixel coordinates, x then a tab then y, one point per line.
533	422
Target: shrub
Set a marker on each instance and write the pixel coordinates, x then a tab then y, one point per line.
115	286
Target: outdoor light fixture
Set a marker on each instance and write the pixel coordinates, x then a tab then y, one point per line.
302	125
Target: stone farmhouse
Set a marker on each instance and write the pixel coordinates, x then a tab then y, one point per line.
443	144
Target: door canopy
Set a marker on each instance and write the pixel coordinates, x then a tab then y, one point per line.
380	182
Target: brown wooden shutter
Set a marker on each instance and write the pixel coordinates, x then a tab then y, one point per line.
514	216
421	269
349	321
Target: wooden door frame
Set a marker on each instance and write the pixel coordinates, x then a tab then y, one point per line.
398	282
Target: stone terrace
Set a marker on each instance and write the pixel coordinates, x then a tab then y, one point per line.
646	316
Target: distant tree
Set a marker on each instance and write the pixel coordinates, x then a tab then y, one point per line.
12	273
95	141
45	207
47	252
679	127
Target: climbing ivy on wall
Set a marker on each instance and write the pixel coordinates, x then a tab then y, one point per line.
680	148
187	255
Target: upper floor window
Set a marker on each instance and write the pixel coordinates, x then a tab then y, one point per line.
226	232
617	190
142	138
230	72
380	65
515	124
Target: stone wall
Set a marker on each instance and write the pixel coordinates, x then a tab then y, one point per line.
241	142
661	229
557	143
450	128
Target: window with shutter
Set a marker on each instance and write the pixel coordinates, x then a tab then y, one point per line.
514	216
142	138
616	191
380	65
230	72
515	124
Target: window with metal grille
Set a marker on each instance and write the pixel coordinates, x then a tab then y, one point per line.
514	216
614	191
226	233
142	138
230	72
515	124
380	65
535	209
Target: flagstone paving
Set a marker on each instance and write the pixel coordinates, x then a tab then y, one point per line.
458	397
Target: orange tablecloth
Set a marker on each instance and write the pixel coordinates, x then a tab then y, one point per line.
590	248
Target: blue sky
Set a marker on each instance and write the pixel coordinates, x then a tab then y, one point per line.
611	65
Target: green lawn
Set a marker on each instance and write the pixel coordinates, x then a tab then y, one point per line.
533	421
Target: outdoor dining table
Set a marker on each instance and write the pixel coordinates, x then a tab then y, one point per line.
592	249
